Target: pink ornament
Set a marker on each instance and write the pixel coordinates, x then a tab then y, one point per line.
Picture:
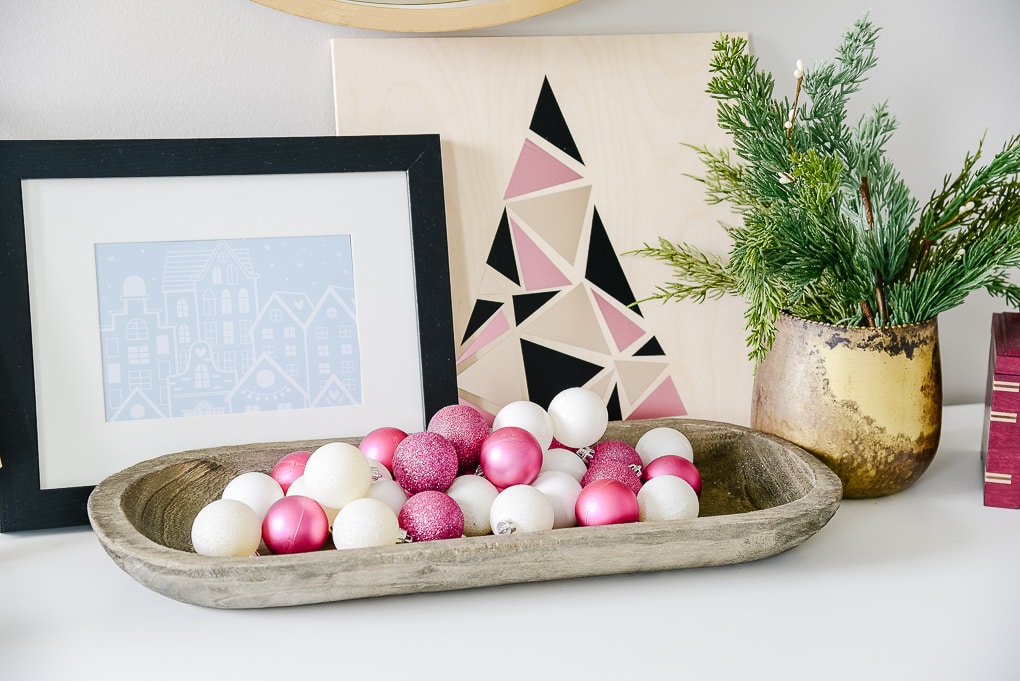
617	451
511	456
431	515
672	464
613	470
380	444
295	525
289	468
466	429
606	502
424	461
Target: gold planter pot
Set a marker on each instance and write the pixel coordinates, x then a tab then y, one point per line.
866	401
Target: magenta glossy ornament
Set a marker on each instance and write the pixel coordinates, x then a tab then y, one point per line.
380	444
613	470
511	456
466	429
606	502
295	525
430	516
672	464
425	461
289	468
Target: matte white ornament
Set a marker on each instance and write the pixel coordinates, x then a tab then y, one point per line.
529	416
258	490
662	441
562	490
579	417
337	473
365	523
519	509
667	497
564	461
388	492
474	494
226	528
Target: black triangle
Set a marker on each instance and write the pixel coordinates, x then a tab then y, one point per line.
501	254
549	372
650	349
613	406
526	304
548	122
603	268
482	312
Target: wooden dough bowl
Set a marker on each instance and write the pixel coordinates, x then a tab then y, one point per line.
761	496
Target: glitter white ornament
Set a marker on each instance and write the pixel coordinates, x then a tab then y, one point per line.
579	417
388	492
662	441
474	495
258	490
226	528
562	490
365	523
667	497
337	473
529	416
520	509
565	461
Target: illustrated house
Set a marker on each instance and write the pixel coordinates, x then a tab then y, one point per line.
138	356
202	387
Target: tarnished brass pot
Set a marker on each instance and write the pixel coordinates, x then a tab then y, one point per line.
866	401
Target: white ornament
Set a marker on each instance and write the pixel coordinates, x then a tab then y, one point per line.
662	441
337	473
258	490
562	490
474	495
565	461
579	417
389	492
226	528
520	509
529	416
667	497
365	523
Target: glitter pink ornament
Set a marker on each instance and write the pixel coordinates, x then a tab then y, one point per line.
510	456
671	464
617	451
606	502
289	468
431	515
613	470
380	444
424	461
466	429
295	525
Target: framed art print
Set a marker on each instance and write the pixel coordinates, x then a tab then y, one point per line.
167	295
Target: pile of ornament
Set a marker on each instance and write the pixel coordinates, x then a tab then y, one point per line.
533	469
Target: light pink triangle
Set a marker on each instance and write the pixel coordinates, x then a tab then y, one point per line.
536	170
624	331
664	401
537	271
496	327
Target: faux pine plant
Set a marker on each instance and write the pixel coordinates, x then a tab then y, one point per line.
830	232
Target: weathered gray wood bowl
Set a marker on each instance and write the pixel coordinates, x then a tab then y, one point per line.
761	496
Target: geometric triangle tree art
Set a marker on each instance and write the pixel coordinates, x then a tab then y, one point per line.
564	314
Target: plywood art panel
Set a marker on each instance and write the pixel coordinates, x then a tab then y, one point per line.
561	154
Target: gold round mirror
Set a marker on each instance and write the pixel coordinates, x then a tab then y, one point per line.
416	16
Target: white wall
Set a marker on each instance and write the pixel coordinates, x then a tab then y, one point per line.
194	68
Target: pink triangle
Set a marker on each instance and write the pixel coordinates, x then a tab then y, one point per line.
536	170
495	328
537	270
624	330
664	401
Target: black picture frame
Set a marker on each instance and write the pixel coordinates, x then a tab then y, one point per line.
23	504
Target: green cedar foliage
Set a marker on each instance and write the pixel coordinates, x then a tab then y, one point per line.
830	232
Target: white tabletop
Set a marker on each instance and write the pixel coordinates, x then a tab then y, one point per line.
920	585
